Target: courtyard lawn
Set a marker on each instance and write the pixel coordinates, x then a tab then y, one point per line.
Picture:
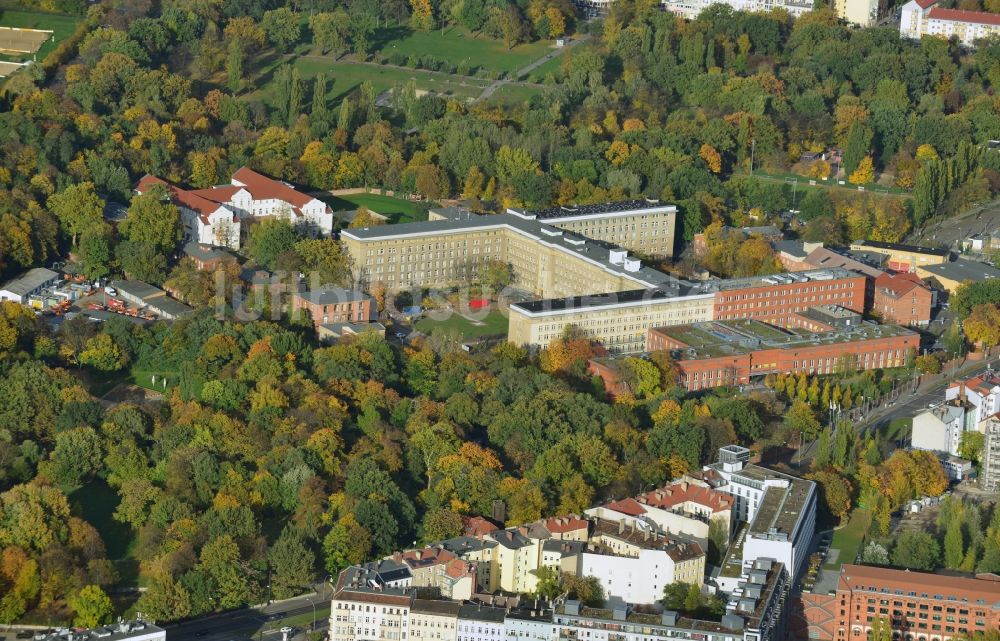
457	45
493	324
847	540
397	209
62	27
898	428
345	76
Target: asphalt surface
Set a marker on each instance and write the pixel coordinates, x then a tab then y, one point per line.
258	623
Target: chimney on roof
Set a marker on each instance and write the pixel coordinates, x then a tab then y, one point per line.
684	486
621	526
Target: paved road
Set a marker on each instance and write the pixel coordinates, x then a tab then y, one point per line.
260	624
523	71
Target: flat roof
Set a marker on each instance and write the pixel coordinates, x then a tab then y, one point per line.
984	591
596	252
913	249
712	339
789	278
781	508
330	295
111	632
662	293
962	270
572	211
29	281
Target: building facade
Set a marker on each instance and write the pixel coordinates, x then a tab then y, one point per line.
213	216
335	305
940	428
642	226
918	606
990	480
544	260
366	615
863	13
924	18
980	393
903	258
19	289
902	299
721	353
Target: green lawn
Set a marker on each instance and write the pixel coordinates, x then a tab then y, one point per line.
145	379
896	429
346	76
62	26
802	183
553	67
457	45
397	209
514	94
494	323
848	538
96	502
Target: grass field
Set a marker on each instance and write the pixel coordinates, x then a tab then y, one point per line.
145	379
802	184
457	45
848	538
398	210
553	67
347	76
96	503
495	323
62	26
896	429
514	94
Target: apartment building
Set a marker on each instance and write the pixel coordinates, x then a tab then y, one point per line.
990	472
367	615
635	563
940	428
213	216
924	18
917	605
756	613
863	13
981	393
779	511
478	622
433	620
718	353
329	305
545	260
642	226
691	8
517	557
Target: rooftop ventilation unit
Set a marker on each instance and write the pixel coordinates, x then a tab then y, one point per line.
617	256
632	264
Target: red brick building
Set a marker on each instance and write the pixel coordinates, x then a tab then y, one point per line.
335	305
774	299
903	299
919	606
718	353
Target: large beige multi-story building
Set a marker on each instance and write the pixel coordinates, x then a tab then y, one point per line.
863	13
642	226
544	260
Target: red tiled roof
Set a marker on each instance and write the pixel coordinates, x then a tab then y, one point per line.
180	197
957	15
923	4
262	188
477	526
220	194
627	506
899	284
457	568
860	577
563	524
683	492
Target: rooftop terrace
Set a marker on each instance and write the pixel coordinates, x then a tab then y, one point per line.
572	211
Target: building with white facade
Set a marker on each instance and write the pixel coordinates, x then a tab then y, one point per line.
433	620
214	216
691	8
924	18
779	510
981	393
19	289
367	615
478	622
940	428
863	13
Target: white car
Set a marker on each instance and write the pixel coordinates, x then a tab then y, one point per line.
110	291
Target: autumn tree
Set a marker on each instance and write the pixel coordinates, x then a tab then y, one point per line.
864	174
983	325
78	208
281	26
91	607
152	220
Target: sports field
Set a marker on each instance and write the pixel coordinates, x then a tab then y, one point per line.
396	210
18	46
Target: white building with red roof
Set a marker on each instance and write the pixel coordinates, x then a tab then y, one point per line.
213	216
924	18
981	392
